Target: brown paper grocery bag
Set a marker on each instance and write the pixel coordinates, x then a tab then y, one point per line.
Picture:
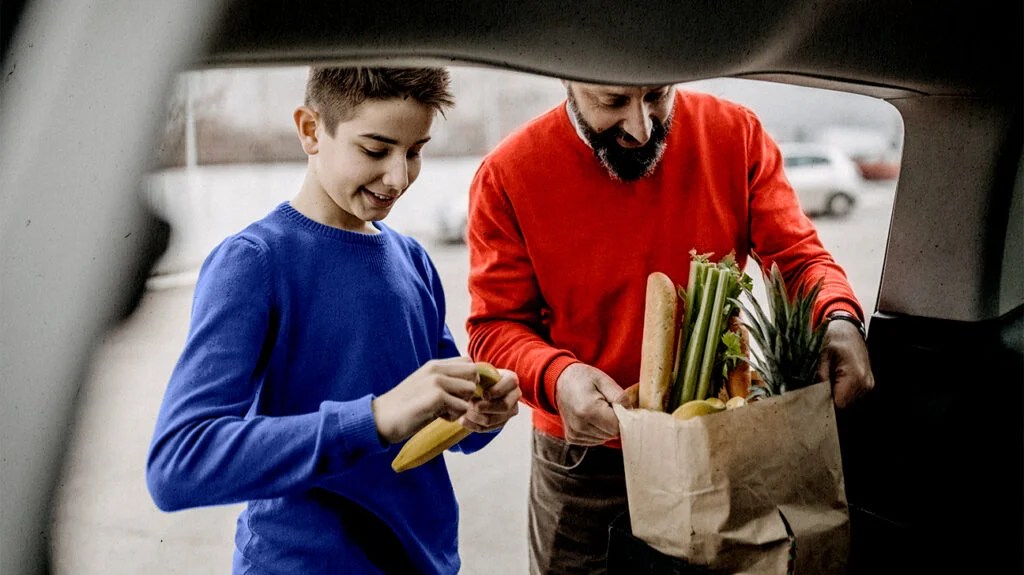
756	489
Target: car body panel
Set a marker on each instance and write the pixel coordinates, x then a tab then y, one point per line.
83	88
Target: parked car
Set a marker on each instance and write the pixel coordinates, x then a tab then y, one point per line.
825	179
451	177
878	168
451	221
932	458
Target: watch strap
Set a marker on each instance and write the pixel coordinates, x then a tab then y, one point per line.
847	316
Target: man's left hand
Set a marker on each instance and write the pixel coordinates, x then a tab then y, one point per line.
845	363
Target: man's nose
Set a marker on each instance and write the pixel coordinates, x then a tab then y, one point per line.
638	124
397	175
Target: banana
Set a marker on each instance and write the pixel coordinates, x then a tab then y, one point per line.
440	434
715	402
698	407
735	402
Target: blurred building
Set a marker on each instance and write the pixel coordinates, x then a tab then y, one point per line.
245	115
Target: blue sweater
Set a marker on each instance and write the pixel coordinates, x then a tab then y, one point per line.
296	327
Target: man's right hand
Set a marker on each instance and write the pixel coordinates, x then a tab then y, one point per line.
585	396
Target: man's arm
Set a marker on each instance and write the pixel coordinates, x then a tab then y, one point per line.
783	234
506	320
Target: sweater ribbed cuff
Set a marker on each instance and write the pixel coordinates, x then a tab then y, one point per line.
358	428
549	381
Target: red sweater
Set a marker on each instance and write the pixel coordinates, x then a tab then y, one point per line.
560	252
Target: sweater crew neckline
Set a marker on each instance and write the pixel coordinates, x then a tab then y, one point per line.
286	209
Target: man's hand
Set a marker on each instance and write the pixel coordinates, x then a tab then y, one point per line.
585	396
845	363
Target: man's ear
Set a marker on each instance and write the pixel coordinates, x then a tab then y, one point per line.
305	126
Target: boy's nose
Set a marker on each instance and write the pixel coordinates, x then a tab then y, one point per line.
397	175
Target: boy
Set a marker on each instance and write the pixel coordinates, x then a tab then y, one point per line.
317	345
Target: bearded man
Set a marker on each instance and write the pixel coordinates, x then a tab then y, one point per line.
568	216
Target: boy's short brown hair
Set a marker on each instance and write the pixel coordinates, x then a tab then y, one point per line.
333	92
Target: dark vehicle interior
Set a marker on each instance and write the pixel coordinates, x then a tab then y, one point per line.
933	459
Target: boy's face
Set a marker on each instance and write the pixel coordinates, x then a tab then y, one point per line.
369	162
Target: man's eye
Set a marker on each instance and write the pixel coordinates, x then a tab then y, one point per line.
414	153
656	96
614	103
375	153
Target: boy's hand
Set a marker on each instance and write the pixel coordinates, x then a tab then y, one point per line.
499	403
440	388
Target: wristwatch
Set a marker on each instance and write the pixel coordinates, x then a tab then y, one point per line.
847	316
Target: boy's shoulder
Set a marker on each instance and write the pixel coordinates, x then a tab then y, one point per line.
282	225
404	241
258	238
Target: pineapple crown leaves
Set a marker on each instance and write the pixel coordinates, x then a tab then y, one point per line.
788	348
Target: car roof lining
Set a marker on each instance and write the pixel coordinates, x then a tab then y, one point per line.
880	49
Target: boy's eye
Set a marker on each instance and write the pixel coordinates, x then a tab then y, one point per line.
375	153
414	152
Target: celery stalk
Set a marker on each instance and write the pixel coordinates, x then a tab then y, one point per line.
695	346
689	317
714	330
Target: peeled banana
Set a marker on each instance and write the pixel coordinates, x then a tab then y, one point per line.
440	434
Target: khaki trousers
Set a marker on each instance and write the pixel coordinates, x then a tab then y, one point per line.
575	493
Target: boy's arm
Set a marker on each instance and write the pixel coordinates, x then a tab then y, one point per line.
204	449
505	324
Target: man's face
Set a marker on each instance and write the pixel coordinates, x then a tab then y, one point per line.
625	125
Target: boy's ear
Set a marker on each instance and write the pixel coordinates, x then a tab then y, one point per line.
305	126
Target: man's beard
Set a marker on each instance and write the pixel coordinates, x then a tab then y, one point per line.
626	164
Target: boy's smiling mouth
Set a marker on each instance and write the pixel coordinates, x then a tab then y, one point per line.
381	200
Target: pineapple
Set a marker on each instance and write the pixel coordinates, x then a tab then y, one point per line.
788	349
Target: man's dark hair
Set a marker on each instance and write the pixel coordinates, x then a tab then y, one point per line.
334	92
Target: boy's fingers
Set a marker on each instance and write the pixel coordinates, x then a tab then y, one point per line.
458	386
499	404
452	408
508	382
459	367
476	420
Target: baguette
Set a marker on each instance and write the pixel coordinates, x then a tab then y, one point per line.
657	350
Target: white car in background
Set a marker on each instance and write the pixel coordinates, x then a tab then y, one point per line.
826	180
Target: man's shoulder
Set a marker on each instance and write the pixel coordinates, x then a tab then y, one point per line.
535	135
704	104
